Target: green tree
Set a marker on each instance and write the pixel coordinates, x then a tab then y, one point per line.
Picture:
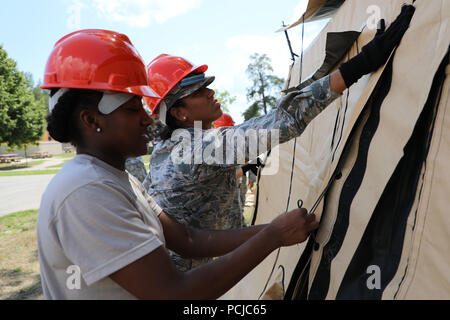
251	112
262	95
225	99
22	107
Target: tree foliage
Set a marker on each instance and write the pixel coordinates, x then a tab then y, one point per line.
252	111
22	106
262	95
225	99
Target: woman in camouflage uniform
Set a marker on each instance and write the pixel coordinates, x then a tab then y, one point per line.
203	193
206	196
241	173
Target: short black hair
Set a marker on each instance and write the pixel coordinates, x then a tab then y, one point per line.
62	122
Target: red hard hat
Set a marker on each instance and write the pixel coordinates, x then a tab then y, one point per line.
224	121
97	60
164	72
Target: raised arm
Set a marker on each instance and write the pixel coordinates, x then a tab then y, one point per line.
297	109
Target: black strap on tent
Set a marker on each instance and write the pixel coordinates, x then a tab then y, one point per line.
383	239
338	43
343	123
297	288
293	55
320	285
255	211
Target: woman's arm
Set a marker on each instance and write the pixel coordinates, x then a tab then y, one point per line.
233	146
239	173
301	107
156	277
337	83
195	243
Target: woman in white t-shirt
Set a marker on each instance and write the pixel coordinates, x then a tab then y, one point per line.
100	235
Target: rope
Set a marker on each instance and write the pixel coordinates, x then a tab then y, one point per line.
345	112
292	167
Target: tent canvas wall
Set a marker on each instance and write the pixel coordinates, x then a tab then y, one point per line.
388	137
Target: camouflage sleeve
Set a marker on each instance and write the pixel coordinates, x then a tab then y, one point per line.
310	101
147	181
256	136
136	167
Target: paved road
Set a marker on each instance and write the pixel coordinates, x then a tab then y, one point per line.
19	193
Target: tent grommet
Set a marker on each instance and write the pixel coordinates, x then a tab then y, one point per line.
316	246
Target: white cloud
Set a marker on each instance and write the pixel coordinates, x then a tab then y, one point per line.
299	10
140	13
241	47
238	50
230	74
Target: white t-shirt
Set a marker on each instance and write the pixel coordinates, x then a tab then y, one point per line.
94	220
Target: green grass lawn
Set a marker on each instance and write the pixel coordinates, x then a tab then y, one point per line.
146	160
9	166
6	169
65	155
17	222
59	166
19	265
28	173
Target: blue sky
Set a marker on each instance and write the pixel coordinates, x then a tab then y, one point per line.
222	34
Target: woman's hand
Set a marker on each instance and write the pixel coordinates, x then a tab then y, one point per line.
154	276
293	227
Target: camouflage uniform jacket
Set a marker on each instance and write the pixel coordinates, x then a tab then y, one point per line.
206	196
243	190
136	168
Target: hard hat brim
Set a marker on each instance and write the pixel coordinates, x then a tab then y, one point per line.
143	91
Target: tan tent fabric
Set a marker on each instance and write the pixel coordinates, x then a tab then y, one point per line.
312	9
399	114
318	156
427	250
423	268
